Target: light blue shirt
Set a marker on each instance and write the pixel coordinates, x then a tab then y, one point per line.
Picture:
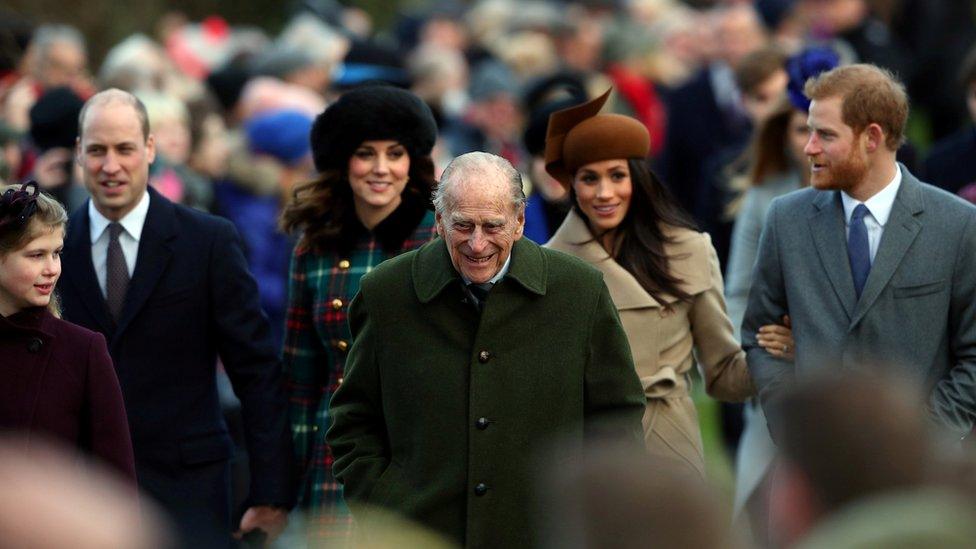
879	210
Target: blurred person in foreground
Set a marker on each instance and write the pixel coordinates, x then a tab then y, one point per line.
59	382
168	286
617	497
873	266
467	355
51	499
370	202
662	274
858	468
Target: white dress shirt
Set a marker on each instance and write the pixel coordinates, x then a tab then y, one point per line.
879	209
129	238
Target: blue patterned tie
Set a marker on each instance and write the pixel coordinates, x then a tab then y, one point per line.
858	250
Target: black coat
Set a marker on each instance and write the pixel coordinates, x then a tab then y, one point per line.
951	164
190	300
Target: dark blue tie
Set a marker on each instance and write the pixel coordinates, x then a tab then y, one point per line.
480	293
858	249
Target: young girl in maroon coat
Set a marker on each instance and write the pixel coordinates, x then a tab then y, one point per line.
58	381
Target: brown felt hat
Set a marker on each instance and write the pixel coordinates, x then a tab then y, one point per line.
579	135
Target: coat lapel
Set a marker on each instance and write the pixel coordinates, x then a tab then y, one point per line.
575	238
78	262
155	252
899	233
827	229
433	270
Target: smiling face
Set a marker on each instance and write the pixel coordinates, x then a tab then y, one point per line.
28	275
114	157
378	173
603	191
838	159
480	227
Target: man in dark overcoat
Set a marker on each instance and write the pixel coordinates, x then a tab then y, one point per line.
168	286
468	355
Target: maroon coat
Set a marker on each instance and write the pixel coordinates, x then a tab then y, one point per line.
58	381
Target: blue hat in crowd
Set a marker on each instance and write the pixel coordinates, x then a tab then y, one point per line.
806	64
282	134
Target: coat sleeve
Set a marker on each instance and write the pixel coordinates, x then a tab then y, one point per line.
719	355
358	433
304	362
953	399
614	399
767	305
742	256
105	412
250	358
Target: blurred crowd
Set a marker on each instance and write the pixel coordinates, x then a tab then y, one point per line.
231	108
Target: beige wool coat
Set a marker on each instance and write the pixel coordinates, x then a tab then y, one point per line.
666	344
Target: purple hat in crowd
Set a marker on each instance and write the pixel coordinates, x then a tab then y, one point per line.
806	64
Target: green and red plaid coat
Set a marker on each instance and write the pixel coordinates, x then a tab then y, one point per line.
316	340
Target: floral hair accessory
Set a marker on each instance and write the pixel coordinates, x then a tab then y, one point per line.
18	205
805	65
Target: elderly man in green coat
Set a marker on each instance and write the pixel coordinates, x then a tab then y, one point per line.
469	355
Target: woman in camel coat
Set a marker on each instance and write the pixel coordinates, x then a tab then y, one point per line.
663	275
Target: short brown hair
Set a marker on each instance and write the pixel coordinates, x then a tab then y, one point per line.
869	95
757	67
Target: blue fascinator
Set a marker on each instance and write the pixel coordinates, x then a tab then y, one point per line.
806	64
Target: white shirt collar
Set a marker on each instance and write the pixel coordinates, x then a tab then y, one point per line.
132	222
878	205
497	277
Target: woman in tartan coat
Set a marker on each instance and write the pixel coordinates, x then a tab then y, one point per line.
370	202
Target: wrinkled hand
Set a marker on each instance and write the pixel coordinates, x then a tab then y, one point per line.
777	340
271	520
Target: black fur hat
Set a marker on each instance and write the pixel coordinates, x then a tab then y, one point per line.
373	112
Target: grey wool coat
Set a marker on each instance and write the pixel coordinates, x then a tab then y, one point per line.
442	411
915	318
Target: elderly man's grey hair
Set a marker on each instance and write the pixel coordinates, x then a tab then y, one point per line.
474	166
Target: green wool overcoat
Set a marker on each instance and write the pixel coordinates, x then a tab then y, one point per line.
443	411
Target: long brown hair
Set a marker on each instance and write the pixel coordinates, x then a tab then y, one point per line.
765	157
640	238
767	151
319	209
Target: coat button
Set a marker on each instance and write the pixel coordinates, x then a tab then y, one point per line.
342	345
484	356
336	304
34	345
344	264
481	489
482	423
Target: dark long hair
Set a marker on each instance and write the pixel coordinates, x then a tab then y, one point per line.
321	208
639	242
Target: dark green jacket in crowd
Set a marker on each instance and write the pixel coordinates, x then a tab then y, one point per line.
443	410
